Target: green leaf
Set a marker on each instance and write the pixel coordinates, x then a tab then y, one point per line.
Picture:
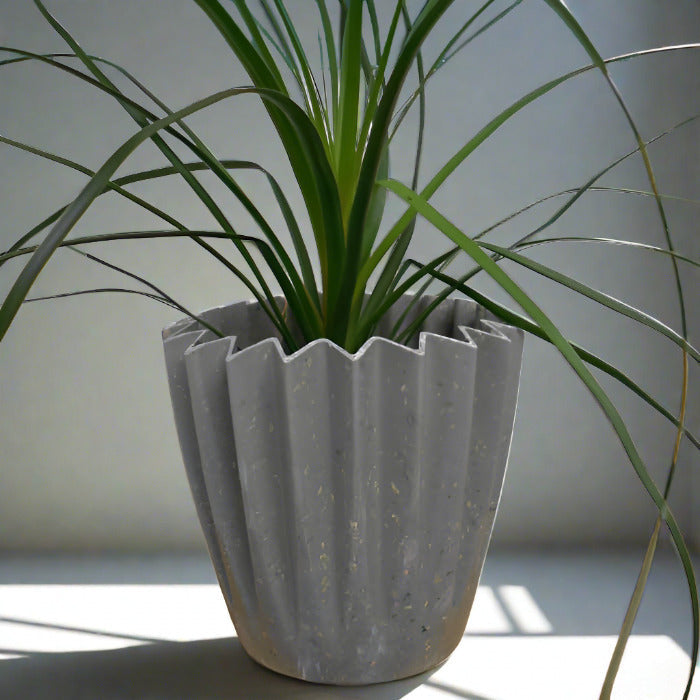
313	151
311	92
526	242
388	277
255	58
377	82
304	149
565	14
282	47
330	53
111	186
610	241
116	185
260	244
445	56
106	290
276	80
419	294
346	126
374	23
118	236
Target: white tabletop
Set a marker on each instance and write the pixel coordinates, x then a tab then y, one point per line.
543	626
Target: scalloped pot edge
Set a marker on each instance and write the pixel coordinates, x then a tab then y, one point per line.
347	500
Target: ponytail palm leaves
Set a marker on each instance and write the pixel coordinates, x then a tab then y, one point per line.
336	126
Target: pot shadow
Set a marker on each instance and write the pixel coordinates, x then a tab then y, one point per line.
202	669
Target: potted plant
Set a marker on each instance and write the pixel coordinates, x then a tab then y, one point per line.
344	307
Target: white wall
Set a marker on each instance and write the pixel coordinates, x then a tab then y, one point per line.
89	457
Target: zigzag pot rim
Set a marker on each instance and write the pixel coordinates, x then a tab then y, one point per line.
201	336
424	339
347	499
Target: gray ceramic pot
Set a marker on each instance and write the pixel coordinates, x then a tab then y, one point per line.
347	500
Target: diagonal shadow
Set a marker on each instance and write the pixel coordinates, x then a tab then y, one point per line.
584	592
458	692
209	669
82	630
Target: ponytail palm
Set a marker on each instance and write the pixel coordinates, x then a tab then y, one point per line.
336	126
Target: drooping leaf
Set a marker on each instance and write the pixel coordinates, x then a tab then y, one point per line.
597	296
159	293
81	203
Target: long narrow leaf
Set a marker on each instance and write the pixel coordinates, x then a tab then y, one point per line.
331	55
318	189
348	109
560	8
446	55
158	291
303	292
375	211
388	277
259	43
638	592
104	290
610	241
120	236
576	194
418	295
378	80
111	186
311	88
166	171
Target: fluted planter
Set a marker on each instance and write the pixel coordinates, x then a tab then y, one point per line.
347	500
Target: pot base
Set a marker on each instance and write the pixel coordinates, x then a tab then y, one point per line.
352	683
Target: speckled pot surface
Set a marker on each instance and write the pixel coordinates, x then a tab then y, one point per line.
347	500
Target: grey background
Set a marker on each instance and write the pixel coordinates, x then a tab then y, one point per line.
89	457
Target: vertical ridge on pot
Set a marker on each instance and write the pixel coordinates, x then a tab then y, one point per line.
368	424
260	436
495	395
338	565
402	378
361	601
311	492
447	427
206	375
176	339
